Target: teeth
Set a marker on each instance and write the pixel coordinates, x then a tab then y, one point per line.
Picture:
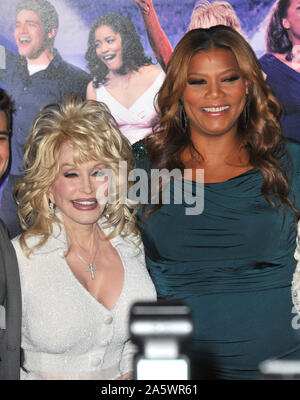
108	57
22	40
215	109
85	203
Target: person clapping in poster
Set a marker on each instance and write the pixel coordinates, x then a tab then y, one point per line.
123	77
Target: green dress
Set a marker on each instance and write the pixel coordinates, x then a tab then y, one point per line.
233	265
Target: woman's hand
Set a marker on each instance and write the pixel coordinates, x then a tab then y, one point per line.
144	5
125	377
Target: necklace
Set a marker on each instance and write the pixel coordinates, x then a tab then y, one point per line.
91	267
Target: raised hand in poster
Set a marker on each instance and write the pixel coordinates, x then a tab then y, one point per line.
145	5
204	15
123	77
158	40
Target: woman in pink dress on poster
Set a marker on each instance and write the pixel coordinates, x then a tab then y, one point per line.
124	78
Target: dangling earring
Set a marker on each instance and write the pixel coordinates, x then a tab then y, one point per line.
183	117
246	111
52	207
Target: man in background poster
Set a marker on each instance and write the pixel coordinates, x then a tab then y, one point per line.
34	77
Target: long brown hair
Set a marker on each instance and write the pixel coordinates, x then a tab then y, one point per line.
258	125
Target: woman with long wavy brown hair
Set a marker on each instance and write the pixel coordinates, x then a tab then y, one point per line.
232	262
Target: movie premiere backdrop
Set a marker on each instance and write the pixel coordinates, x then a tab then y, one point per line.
76	18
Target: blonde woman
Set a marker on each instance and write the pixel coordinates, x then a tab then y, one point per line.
81	261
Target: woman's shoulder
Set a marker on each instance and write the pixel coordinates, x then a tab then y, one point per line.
55	243
91	91
130	246
293	149
292	160
273	63
31	242
151	72
151	68
16	242
20	253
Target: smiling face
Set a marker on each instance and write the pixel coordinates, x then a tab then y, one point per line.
4	143
215	93
30	34
77	188
292	21
109	47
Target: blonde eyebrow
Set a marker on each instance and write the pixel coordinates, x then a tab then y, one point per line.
67	164
100	164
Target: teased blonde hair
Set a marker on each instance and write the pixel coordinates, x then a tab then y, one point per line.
206	14
93	133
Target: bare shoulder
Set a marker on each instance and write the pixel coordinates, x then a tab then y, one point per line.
150	70
91	92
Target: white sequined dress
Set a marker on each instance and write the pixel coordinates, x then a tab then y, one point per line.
66	332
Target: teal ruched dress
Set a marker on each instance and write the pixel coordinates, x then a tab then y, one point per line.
233	265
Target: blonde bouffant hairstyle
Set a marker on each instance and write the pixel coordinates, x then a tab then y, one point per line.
206	14
92	131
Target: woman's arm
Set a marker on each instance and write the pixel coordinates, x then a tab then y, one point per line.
158	40
91	92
